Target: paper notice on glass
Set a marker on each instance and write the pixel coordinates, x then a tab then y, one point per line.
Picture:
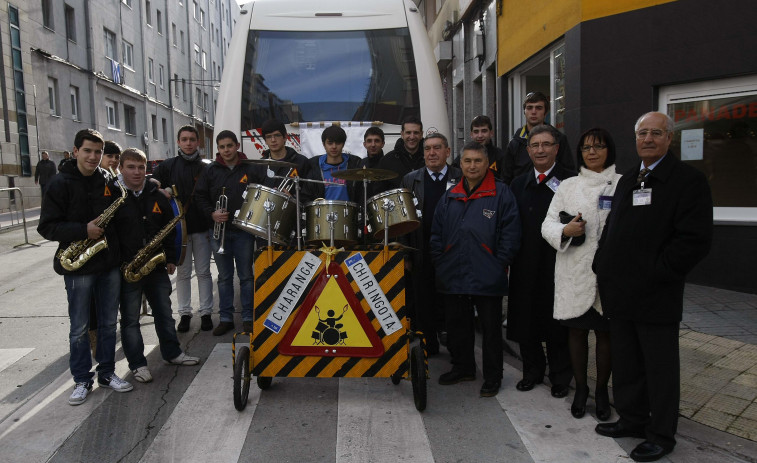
692	144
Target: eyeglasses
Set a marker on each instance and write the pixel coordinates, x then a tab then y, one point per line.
655	133
273	136
545	145
597	147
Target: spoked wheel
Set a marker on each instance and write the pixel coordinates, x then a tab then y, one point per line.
242	378
418	377
264	382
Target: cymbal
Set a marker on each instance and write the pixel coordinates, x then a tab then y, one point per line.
372	175
269	162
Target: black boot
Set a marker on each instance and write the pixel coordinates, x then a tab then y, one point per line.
578	408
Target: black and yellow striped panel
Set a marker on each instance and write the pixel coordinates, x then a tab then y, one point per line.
271	276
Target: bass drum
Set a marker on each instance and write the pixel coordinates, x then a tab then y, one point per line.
403	217
180	242
253	216
345	226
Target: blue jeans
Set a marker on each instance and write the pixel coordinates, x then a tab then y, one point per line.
103	288
198	246
157	288
238	247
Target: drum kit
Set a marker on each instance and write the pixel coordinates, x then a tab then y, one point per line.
276	215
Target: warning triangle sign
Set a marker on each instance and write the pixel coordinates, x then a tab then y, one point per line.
331	322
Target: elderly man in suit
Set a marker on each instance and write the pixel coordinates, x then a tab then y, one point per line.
659	228
428	184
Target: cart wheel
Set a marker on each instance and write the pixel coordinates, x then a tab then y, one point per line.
242	378
396	378
264	382
418	377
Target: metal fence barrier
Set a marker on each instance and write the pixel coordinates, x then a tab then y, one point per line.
23	215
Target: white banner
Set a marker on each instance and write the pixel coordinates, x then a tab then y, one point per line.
292	292
373	293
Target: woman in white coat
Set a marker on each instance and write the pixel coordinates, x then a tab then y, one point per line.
587	197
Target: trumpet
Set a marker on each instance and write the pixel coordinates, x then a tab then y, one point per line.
219	228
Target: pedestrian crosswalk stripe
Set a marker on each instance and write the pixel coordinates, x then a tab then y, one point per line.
385	429
10	356
204	425
35	430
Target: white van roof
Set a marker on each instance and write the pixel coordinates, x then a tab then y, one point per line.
327	15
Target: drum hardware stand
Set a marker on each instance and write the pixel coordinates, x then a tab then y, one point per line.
387	206
298	211
365	210
269	206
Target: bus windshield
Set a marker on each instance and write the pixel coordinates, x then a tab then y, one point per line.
329	76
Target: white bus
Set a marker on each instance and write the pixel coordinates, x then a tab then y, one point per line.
312	63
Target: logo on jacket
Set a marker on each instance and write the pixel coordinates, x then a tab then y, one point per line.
493	166
488	213
156	209
244	179
107	191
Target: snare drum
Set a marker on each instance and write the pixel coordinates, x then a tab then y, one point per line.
253	217
345	226
402	215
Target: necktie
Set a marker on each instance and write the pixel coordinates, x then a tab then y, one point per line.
642	175
541	177
437	176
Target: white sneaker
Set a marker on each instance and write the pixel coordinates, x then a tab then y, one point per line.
81	390
142	374
115	383
183	360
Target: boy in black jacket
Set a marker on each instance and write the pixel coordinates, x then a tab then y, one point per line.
144	214
70	213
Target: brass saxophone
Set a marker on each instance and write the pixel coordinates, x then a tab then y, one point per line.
79	252
152	255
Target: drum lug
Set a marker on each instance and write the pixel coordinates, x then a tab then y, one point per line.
257	194
404	211
236	213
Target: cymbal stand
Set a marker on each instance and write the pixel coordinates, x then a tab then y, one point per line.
387	206
365	211
269	206
298	209
331	218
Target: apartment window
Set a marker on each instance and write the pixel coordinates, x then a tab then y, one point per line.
159	20
198	97
184	89
150	73
195	10
165	128
160	75
213	69
127	52
197	54
130	119
110	45
47	14
173	33
176	85
70	23
111	114
202	17
154	119
205	101
75	115
52	94
212	37
126	2
181	33
204	58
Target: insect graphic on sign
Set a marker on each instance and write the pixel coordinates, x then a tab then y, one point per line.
328	331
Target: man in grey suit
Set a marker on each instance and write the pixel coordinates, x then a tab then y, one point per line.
428	184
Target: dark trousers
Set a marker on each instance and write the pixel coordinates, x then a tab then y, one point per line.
646	377
558	356
461	333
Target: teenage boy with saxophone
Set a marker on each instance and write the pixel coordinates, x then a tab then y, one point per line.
75	213
229	176
147	261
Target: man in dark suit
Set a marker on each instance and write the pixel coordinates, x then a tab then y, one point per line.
532	274
659	228
428	184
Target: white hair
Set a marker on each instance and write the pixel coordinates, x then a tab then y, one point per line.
669	124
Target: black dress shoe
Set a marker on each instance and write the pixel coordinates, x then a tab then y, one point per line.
206	324
560	390
526	384
602	400
618	429
578	407
490	388
184	324
454	377
649	451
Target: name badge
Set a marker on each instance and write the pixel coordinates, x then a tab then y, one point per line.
553	183
605	203
642	197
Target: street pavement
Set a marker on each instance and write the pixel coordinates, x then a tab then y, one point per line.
187	413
